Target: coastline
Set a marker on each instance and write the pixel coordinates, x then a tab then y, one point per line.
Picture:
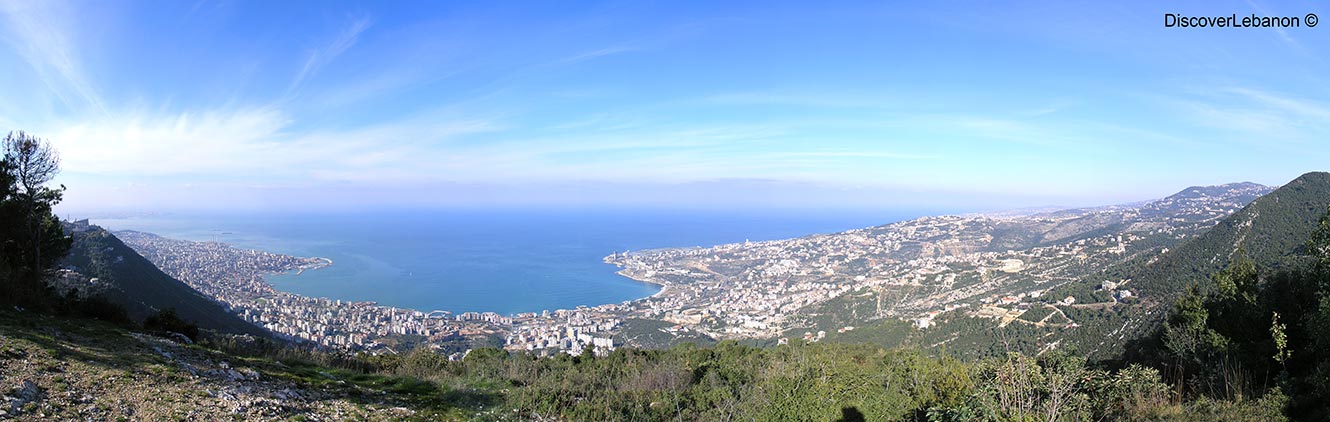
625	273
324	263
663	285
507	254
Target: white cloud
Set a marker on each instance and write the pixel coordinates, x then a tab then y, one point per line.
42	32
254	143
185	143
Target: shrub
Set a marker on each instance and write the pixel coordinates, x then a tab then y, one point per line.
167	320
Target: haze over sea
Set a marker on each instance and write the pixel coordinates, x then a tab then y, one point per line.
504	261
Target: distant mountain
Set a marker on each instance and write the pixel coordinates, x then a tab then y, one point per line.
1194	207
129	280
1270	230
1196	204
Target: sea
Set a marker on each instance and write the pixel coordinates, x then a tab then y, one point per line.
504	261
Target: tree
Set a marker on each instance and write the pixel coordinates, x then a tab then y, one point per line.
7	187
1195	347
7	191
30	163
31	238
1318	246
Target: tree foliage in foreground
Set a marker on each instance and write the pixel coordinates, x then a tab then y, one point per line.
31	238
815	382
1256	330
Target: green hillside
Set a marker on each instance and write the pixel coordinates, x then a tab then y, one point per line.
1272	231
143	290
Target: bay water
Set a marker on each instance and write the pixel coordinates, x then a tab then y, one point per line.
504	261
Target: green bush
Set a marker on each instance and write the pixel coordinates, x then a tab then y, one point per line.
167	321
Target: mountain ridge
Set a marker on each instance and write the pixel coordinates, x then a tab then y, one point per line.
1271	230
137	285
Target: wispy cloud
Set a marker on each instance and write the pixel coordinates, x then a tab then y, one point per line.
320	57
1311	110
1283	34
792	99
474	95
593	54
148	144
1255	116
247	143
43	34
862	154
1025	131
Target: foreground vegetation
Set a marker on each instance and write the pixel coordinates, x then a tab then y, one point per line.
794	382
31	240
84	369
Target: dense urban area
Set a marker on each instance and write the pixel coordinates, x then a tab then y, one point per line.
997	267
234	277
992	267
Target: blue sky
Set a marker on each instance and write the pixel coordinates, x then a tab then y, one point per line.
218	105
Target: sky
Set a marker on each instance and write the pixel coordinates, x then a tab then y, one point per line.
323	105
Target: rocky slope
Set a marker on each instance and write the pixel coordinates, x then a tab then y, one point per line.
53	368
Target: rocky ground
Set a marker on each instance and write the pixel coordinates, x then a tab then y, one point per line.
58	369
